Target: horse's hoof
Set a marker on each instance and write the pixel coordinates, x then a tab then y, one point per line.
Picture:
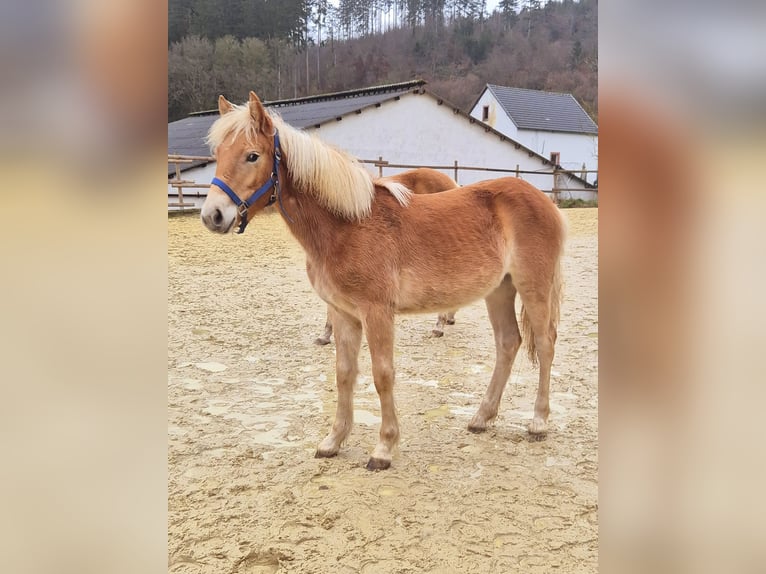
437	333
325	454
378	464
477	429
538	428
450	321
321	341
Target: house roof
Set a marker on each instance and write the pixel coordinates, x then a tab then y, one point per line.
547	111
186	136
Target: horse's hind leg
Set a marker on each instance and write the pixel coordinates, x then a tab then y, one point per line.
438	330
379	327
348	340
502	315
325	339
538	324
443	319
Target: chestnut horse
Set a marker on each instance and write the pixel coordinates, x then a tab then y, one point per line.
420	180
375	250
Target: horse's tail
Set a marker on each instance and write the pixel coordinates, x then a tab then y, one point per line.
557	294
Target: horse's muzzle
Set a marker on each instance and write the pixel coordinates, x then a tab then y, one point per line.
218	222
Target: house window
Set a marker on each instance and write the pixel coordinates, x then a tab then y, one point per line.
485	113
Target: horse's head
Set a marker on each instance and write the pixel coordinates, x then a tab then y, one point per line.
246	147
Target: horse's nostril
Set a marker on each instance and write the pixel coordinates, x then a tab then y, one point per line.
217	217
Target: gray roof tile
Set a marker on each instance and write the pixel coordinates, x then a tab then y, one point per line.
187	136
305	114
549	111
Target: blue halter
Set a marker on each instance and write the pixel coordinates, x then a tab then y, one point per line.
272	182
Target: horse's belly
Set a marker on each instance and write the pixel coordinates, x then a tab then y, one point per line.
419	295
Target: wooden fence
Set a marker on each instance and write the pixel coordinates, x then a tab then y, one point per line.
178	183
556	172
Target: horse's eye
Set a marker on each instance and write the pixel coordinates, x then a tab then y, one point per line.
252	157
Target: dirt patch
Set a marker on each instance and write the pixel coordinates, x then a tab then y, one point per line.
250	396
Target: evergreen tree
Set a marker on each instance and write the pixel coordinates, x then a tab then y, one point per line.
179	19
509	9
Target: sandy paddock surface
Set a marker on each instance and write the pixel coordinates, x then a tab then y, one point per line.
250	396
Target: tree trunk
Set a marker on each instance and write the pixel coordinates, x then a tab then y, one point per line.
319	46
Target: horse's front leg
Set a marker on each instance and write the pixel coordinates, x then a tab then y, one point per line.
325	339
379	327
348	340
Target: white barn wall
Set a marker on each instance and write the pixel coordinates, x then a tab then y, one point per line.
575	149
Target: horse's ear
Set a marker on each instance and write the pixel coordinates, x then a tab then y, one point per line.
224	105
259	115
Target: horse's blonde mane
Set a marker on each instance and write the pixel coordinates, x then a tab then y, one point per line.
336	179
401	192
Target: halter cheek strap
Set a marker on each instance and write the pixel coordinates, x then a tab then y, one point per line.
272	182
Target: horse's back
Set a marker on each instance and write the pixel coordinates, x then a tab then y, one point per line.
523	201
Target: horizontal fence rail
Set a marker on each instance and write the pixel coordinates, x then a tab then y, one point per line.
179	184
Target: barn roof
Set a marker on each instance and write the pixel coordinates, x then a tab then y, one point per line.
315	110
547	111
187	137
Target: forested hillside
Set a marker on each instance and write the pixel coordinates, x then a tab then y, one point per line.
292	48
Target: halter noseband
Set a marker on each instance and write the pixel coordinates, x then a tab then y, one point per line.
272	182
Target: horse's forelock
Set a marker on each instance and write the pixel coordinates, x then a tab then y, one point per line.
232	124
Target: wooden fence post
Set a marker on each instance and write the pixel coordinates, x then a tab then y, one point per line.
180	188
455	171
380	166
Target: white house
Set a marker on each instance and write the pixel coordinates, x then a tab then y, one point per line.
546	122
405	124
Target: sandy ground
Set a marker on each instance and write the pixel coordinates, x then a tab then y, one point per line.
250	396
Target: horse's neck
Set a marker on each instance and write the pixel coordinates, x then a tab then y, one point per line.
311	224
